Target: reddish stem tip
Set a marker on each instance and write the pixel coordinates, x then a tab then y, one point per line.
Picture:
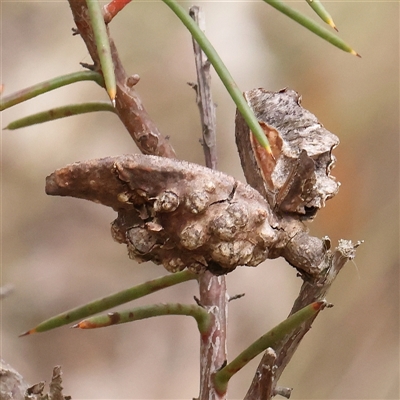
27	333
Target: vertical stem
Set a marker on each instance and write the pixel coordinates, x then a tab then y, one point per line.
213	295
221	70
204	97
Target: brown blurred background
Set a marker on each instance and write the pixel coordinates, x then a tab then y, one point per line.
58	252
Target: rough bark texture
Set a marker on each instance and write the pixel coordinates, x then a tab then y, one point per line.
213	346
204	96
183	215
298	180
175	213
262	385
13	386
213	291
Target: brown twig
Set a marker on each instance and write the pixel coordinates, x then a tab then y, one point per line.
150	141
313	291
262	386
204	97
213	294
128	104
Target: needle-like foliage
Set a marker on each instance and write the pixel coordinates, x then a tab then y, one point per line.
103	47
59	112
312	26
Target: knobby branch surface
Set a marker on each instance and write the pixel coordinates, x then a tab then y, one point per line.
213	294
296	184
160	220
183	215
149	140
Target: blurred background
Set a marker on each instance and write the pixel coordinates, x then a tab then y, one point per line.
58	252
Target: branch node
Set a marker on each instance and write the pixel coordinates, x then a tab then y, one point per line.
193	85
283	391
236	296
91	67
223	365
132	80
198	302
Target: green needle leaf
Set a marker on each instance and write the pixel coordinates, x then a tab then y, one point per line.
201	316
317	6
270	339
111	301
312	26
47	86
59	112
222	71
103	47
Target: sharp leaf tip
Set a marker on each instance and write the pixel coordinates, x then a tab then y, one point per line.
27	333
332	25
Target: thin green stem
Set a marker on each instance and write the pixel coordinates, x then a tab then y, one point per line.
311	25
113	300
59	112
103	47
222	71
47	86
202	317
270	339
